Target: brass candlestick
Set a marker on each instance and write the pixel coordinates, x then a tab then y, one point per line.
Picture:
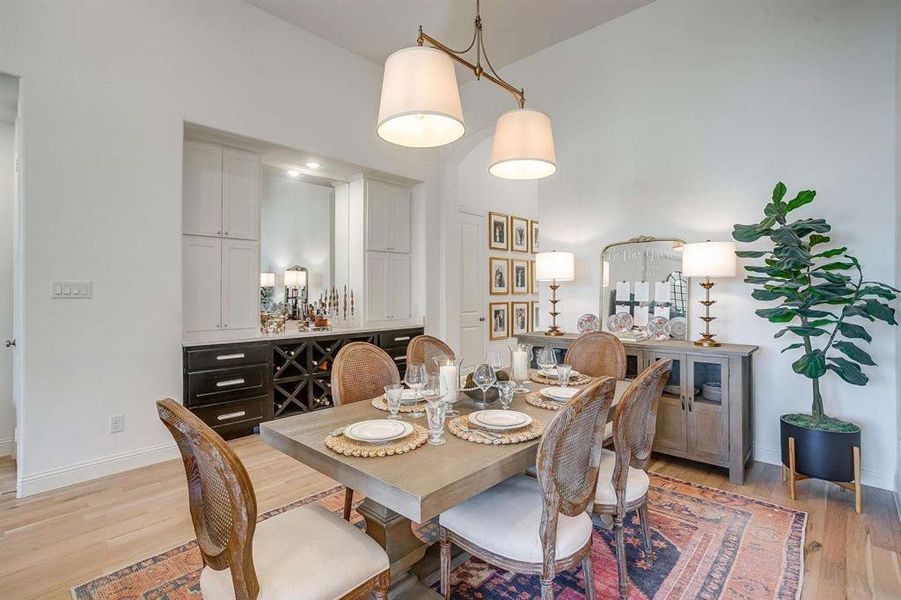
707	338
553	329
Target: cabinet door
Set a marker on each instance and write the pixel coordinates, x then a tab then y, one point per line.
399	290
240	284
634	363
201	286
378	216
672	432
708	408
400	219
241	180
377	286
201	189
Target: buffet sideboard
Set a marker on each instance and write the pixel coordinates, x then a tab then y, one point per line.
705	410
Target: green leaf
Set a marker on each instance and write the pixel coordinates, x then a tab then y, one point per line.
780	314
786	237
836	266
779	192
830	277
767	295
804	197
852	331
829	253
751	253
793	346
757	280
811	364
848	371
749	233
858	311
806	331
804	226
814	314
817	239
854	352
821	323
881	292
881	311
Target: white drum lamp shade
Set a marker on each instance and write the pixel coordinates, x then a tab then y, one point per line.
555	266
523	146
267	280
295	279
420	105
708	259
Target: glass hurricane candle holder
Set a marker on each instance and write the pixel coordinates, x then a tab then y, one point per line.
520	357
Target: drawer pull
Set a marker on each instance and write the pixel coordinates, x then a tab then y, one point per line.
400	358
230	382
404	338
230	356
231	415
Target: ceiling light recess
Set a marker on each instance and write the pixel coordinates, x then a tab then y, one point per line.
312	164
420	107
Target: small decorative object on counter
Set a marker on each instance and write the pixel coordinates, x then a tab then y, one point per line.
588	323
657	329
619	322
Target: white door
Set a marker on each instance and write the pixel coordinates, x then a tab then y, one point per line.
377	285
399	290
7	278
241	181
378	216
202	189
473	273
240	284
400	215
201	283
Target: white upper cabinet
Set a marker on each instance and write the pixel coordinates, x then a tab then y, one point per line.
201	283
387	217
202	189
399	286
240	295
387	286
241	199
400	218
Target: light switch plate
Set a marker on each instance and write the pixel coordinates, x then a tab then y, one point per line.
71	290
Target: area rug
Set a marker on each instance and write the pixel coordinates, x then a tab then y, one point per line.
706	543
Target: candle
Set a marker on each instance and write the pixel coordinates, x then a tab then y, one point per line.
449	381
520	365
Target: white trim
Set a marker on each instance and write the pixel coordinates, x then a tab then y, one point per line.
878	479
93	469
6	446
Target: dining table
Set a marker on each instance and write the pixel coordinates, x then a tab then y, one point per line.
413	487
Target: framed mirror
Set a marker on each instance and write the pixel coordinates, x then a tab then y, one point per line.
643	292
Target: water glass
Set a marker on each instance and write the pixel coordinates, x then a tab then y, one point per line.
431	388
393	394
546	359
415	377
563	371
505	393
435	413
496	359
484	377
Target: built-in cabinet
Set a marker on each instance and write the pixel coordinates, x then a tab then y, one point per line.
388	223
388	286
388	217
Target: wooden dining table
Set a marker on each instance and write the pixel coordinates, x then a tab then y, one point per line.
413	487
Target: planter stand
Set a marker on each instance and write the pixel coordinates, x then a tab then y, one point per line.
788	472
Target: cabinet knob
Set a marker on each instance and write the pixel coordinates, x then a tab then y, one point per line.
218	233
226	234
225	325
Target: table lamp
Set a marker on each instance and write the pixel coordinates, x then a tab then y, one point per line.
554	267
708	259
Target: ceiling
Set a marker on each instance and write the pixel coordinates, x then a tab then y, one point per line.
513	29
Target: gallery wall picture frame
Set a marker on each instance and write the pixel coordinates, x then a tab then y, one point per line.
519	276
519	234
533	281
536	314
498	276
533	236
499	321
520	318
498	231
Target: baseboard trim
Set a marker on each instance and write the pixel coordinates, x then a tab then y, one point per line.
6	446
878	479
93	469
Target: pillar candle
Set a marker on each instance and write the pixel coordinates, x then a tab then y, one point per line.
520	365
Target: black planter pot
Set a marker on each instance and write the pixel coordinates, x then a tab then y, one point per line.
820	454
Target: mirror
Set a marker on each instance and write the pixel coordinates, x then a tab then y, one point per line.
643	291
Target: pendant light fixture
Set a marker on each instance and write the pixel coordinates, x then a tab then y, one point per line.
420	107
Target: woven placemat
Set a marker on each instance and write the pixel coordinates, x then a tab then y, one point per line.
380	403
479	436
349	447
580	379
542	402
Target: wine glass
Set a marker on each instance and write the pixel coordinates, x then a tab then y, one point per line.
431	388
547	360
435	413
496	359
393	394
505	393
415	378
563	371
484	377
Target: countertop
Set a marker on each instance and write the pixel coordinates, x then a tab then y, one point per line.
565	340
290	333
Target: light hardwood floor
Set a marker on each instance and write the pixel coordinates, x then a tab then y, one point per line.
52	542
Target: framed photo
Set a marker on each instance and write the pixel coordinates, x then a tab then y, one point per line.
519	234
500	321
535	315
498	276
533	237
498	234
520	276
521	317
533	281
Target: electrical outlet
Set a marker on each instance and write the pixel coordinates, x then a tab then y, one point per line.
117	424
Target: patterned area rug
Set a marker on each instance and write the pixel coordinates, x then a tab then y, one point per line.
706	544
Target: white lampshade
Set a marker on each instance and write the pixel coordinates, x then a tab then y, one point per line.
523	146
708	259
420	106
267	280
560	266
295	278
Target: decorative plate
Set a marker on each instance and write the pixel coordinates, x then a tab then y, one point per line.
560	394
620	322
657	328
678	328
500	420
378	431
588	323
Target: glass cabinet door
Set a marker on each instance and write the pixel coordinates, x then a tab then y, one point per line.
672	433
708	414
634	364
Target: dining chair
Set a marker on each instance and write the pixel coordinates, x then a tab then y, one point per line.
598	354
422	349
304	552
539	526
622	476
360	372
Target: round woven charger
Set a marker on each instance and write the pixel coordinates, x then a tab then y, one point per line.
542	402
523	434
380	403
349	447
580	379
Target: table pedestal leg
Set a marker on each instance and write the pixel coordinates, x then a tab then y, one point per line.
393	532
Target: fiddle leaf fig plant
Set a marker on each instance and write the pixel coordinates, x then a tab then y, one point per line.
822	298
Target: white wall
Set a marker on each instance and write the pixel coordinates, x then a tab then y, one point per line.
677	120
297	223
106	88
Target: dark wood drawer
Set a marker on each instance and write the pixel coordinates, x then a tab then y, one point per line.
229	413
398	339
225	357
398	354
223	385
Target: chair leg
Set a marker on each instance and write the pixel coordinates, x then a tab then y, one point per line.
588	574
445	562
348	503
645	529
621	557
381	590
547	589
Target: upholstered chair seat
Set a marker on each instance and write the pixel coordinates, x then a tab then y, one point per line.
307	552
636	485
505	521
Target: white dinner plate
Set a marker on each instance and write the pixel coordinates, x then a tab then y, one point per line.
552	373
500	420
560	394
409	397
378	431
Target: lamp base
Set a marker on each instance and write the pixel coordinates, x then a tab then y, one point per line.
555	331
707	341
